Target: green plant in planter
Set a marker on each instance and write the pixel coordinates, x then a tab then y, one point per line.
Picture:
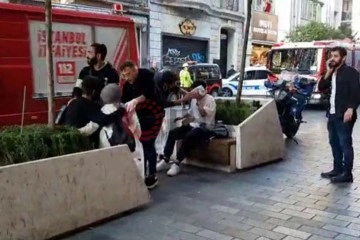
39	141
232	113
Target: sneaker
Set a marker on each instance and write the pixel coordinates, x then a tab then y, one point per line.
162	165
151	182
174	170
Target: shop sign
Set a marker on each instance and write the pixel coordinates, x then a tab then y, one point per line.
264	27
187	27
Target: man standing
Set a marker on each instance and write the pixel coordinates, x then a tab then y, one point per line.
231	71
202	111
146	96
98	68
343	83
185	77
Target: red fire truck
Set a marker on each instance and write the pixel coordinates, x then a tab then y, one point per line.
23	75
309	60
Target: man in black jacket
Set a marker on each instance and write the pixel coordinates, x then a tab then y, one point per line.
343	83
146	94
99	68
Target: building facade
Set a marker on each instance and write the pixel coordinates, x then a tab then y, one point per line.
304	11
272	21
202	31
350	17
263	31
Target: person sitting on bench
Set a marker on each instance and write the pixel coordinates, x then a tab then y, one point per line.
202	113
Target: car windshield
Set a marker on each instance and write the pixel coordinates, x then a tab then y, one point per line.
302	60
205	73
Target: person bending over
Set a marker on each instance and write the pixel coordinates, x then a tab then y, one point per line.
86	115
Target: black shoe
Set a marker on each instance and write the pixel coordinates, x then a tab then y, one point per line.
343	178
330	174
151	182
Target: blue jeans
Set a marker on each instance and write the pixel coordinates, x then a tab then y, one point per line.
340	137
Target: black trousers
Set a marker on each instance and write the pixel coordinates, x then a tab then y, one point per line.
150	117
191	138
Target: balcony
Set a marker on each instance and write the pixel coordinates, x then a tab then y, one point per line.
138	3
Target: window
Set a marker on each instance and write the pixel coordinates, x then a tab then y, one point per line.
235	79
249	75
258	5
347	6
205	73
311	10
304	9
262	74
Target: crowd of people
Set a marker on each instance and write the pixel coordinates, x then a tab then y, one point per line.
133	114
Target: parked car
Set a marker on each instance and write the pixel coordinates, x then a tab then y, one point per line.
208	72
253	85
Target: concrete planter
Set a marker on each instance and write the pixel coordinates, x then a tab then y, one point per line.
45	198
259	139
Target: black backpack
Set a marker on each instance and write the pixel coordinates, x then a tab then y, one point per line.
220	131
121	136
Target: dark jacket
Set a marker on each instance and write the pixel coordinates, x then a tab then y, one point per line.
105	75
347	89
81	111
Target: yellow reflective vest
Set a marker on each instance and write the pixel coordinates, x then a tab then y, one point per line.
185	79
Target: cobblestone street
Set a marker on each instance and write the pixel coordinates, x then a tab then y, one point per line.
287	200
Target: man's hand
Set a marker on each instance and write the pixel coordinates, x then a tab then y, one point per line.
329	69
131	105
348	115
201	110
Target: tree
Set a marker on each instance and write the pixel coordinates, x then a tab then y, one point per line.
49	64
347	31
244	50
314	31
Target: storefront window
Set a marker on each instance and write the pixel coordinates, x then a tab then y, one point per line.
259	55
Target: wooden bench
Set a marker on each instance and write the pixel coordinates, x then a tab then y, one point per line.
220	154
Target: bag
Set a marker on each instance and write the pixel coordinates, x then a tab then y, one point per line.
120	136
221	131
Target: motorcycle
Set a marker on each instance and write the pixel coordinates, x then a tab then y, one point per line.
291	97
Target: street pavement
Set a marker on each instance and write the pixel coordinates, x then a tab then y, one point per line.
283	201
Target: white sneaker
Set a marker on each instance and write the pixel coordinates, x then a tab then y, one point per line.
162	166
174	170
